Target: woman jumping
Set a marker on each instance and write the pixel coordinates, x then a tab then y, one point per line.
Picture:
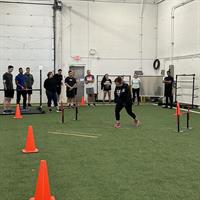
123	99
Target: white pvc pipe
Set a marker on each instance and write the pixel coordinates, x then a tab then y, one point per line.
156	46
196	55
141	34
113	1
159	1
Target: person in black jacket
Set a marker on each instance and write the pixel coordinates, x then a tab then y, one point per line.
70	83
123	99
50	85
169	81
58	77
106	87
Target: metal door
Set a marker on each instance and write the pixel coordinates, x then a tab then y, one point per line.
79	75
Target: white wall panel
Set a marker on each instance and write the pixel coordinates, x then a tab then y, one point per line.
24	32
25	10
186	29
186	38
188	66
23	20
113	31
78	30
149	32
26	40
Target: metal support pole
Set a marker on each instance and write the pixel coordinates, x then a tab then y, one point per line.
188	119
193	85
97	87
62	113
54	35
76	113
40	89
178	123
176	87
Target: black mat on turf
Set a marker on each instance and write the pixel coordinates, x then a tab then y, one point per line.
29	111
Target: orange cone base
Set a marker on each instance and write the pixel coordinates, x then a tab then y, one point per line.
34	151
179	115
18	117
52	198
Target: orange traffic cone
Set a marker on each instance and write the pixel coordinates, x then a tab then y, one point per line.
82	101
30	142
18	112
178	110
42	188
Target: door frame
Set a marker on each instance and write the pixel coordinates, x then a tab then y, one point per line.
84	67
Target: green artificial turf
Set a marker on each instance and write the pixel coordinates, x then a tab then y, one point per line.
152	162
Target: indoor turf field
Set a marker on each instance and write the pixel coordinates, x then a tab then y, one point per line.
152	162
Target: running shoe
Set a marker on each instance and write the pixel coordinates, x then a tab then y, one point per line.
136	123
117	125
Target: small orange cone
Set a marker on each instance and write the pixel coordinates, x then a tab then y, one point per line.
42	188
18	112
30	142
178	110
82	101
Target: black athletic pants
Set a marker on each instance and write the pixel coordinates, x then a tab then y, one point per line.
22	93
51	96
137	93
169	98
128	108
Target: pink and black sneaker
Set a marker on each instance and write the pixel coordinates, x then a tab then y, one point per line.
117	125
136	123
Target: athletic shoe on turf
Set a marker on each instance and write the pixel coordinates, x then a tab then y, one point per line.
50	110
137	123
165	107
117	125
29	105
5	112
93	105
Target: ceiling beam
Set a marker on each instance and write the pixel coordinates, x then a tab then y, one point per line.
26	2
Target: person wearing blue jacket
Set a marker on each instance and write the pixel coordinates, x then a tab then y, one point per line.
20	81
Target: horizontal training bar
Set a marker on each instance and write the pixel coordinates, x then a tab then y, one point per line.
184	95
1	90
185	75
189	81
28	3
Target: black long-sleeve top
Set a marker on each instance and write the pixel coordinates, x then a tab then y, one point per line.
123	94
50	84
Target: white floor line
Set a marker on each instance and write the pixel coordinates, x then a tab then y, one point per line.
192	111
110	127
74	134
82	133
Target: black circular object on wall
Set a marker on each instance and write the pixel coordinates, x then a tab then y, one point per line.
156	64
